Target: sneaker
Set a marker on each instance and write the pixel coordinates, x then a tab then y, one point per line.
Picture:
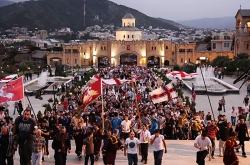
48	156
244	156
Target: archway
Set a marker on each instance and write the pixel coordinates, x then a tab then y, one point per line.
103	61
153	61
166	63
128	59
55	61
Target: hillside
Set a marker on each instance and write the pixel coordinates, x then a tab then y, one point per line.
220	23
169	21
52	14
5	3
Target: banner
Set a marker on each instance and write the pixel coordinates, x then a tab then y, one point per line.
91	93
12	91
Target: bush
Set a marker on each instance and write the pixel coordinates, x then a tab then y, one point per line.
39	115
176	68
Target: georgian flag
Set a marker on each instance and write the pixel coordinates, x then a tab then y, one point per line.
164	93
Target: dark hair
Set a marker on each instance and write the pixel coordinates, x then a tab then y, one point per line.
232	133
27	110
157	131
89	133
204	133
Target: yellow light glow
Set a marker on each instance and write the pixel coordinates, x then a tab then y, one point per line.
162	60
94	53
248	24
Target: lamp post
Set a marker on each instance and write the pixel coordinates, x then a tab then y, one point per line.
237	72
54	86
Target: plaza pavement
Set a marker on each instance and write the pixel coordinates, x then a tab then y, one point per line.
179	152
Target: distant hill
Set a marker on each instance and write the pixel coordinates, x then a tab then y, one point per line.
221	23
52	14
169	21
5	3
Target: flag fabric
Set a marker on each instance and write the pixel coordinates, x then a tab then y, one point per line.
91	93
159	95
113	81
164	93
12	91
193	92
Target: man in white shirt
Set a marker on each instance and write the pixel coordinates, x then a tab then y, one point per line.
126	125
130	149
203	144
157	140
144	139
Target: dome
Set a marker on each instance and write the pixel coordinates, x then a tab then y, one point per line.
128	15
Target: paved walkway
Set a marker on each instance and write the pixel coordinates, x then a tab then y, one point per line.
180	152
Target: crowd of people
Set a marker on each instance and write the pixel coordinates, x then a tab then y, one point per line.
131	123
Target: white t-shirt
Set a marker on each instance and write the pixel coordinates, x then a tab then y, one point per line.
203	143
158	144
126	126
144	135
132	145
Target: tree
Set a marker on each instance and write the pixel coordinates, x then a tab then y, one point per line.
241	56
207	39
219	61
176	68
77	67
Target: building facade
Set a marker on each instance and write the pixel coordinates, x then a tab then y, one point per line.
222	41
130	49
242	36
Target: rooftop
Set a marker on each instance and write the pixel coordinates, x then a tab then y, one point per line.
128	28
128	15
245	12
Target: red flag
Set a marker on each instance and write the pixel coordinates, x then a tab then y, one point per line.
91	93
12	91
194	96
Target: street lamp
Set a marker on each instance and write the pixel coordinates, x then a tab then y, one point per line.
237	72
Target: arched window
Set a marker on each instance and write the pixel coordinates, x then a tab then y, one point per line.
124	36
132	36
182	60
152	48
247	46
75	61
128	36
166	47
155	47
189	60
124	24
101	48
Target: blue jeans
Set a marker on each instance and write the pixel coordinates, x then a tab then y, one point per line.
158	157
233	120
37	158
132	158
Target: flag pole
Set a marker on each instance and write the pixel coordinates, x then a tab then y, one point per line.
207	93
31	106
136	103
102	107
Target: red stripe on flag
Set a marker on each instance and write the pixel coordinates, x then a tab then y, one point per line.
117	81
165	93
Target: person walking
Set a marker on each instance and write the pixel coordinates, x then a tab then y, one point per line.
223	102
23	128
212	130
233	116
242	133
130	149
6	146
158	142
110	147
203	144
89	149
248	89
144	140
97	136
230	158
224	135
61	144
39	145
